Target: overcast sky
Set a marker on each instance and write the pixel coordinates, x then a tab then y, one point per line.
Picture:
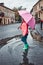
16	3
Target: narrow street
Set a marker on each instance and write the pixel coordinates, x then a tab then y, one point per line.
13	50
9	30
13	53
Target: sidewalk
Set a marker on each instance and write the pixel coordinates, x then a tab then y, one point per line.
13	53
37	33
38	29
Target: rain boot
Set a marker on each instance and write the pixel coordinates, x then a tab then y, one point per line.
26	46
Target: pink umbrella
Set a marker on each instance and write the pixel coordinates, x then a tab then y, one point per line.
27	17
31	23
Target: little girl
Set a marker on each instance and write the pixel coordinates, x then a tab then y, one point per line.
24	28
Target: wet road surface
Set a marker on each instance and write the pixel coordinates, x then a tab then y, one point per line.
13	53
9	30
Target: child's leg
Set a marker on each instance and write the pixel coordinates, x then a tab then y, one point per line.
25	43
24	39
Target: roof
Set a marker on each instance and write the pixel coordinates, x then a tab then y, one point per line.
31	10
7	7
37	3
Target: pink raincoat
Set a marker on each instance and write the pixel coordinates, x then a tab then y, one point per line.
24	28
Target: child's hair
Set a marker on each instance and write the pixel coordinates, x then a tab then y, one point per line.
23	20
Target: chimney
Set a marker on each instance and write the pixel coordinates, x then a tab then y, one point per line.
1	4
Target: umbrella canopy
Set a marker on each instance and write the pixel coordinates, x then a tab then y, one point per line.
27	17
31	23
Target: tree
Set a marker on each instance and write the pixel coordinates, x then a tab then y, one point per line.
17	17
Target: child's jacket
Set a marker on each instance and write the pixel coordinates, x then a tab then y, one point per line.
24	28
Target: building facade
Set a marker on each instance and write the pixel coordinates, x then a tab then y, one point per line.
37	10
7	15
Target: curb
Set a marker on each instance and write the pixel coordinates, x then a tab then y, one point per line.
36	36
4	41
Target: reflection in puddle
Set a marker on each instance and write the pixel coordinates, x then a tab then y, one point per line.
25	59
